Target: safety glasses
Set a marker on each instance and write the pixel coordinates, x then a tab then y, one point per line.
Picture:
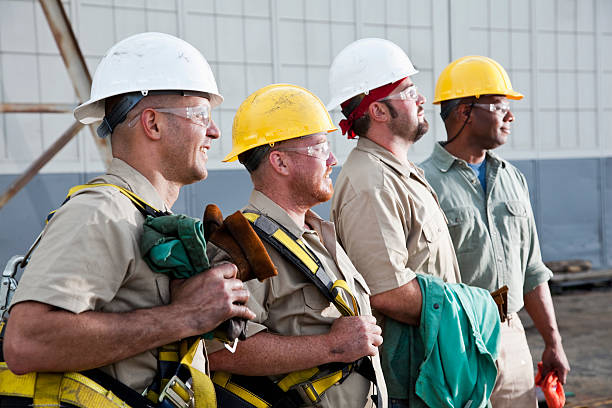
409	94
200	115
319	151
501	108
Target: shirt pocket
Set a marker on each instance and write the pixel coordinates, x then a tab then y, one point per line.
461	227
163	289
514	220
314	299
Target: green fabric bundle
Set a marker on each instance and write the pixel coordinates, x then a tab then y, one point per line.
174	245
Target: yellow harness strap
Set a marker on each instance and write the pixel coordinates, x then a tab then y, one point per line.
144	207
202	385
50	389
47	390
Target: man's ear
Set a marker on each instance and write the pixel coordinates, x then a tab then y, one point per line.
150	121
279	162
378	112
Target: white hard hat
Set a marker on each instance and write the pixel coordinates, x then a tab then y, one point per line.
364	65
148	62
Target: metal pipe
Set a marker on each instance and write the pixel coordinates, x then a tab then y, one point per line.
38	164
74	61
35	108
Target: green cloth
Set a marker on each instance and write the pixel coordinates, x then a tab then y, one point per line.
449	359
493	232
174	245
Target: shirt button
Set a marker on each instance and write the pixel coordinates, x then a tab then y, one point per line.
436	306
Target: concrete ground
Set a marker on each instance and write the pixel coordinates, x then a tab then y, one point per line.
585	322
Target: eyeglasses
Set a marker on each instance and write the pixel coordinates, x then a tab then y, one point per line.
319	151
501	108
409	94
200	115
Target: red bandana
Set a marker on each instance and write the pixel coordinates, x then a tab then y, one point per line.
375	94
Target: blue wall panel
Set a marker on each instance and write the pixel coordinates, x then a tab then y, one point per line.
570	218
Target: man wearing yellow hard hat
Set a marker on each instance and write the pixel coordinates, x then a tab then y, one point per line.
486	201
314	341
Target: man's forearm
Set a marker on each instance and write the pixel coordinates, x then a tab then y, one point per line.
271	354
403	304
539	305
42	338
349	339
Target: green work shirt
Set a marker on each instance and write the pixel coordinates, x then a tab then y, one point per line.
493	232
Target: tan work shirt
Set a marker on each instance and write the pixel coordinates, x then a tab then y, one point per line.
389	221
89	259
289	304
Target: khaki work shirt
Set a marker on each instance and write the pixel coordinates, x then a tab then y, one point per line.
89	259
494	232
389	221
289	304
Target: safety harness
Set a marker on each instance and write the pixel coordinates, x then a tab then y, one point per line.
305	386
178	384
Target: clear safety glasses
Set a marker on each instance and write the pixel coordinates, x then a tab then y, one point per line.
501	108
409	94
200	115
319	151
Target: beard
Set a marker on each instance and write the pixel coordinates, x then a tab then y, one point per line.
312	189
422	128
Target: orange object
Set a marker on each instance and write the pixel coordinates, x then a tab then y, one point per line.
552	388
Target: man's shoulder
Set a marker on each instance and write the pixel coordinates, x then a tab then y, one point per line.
511	170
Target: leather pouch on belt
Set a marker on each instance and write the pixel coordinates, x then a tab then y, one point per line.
236	237
500	296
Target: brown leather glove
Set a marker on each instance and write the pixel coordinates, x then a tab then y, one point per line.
236	236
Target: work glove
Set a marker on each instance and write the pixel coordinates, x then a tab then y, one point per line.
238	239
551	387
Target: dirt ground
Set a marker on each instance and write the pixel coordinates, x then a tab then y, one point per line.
585	322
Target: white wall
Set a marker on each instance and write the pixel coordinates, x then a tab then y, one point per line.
557	52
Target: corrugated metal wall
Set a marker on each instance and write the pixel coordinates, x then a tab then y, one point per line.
557	52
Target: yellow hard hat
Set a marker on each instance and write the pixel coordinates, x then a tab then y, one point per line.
275	113
473	76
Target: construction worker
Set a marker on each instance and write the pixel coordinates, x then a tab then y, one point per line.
486	201
387	216
314	341
87	299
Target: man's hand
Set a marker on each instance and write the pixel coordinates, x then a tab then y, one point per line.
554	359
209	298
351	338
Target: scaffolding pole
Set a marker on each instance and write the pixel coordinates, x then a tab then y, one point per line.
73	60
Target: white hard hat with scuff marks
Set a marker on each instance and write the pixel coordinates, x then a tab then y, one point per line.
148	62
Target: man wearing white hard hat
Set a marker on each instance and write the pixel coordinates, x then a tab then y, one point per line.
387	216
87	299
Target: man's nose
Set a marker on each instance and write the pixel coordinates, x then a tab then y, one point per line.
212	130
331	160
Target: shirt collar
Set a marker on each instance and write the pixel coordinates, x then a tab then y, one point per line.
137	183
264	205
444	160
368	146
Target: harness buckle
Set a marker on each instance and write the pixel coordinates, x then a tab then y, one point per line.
308	393
172	393
8	284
